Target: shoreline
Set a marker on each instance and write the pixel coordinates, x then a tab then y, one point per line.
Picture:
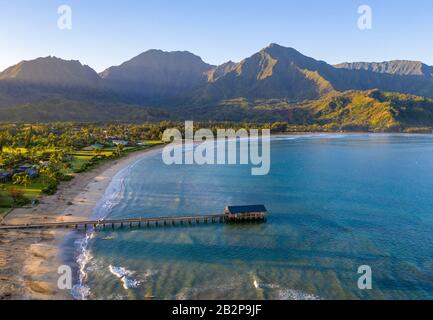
29	259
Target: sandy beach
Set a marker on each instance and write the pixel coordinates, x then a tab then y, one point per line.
29	260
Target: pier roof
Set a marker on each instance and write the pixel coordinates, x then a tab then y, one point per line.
246	209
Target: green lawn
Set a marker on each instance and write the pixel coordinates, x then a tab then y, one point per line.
32	191
152	142
77	162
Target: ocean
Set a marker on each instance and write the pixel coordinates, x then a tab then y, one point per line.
335	202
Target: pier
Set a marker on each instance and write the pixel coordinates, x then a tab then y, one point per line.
230	215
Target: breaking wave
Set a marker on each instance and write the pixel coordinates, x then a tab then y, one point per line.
112	197
125	276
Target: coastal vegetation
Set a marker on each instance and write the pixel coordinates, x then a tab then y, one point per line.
35	158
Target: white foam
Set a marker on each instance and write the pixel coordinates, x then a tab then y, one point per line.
284	293
125	276
80	291
112	197
291	294
256	284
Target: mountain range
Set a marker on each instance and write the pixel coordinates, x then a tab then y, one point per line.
267	86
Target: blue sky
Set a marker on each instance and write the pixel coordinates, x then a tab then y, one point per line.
106	33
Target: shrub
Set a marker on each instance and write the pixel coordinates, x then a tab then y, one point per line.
17	196
51	188
66	177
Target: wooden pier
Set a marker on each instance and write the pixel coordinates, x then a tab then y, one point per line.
145	222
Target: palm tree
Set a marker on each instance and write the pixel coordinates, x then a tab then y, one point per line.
21	179
119	149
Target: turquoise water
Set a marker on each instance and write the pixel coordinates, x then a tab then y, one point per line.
335	202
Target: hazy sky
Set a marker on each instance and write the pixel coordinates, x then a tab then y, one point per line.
106	33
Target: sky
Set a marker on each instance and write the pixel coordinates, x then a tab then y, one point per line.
106	33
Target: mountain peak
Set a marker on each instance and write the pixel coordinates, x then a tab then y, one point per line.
273	45
273	72
159	51
158	73
51	70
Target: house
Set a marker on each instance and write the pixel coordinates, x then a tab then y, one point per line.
120	142
23	168
44	164
31	170
250	212
96	146
6	176
32	173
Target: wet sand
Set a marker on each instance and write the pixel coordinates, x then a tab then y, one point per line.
29	260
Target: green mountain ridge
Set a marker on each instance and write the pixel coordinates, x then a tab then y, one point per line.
274	84
371	110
